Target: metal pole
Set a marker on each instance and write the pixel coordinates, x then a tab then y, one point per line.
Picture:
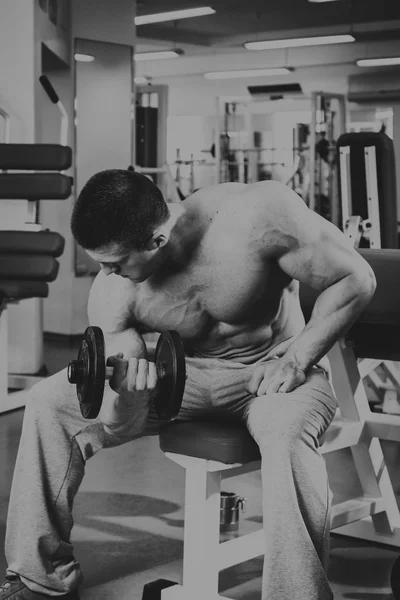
345	185
372	197
313	139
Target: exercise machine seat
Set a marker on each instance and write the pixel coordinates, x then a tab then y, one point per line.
226	442
35	186
22	290
35	157
28	262
28	266
36	242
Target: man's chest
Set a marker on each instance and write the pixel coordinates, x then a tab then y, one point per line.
231	290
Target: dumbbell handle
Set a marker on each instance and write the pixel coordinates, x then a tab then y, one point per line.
109	372
76	371
160	371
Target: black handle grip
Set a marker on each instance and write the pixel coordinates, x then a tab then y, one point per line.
48	88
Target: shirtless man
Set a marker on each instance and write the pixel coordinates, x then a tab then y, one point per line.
221	268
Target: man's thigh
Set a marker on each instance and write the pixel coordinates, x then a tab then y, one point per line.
196	397
309	408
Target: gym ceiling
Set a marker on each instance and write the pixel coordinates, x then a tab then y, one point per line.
239	21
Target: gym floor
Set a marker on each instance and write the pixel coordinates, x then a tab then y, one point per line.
129	518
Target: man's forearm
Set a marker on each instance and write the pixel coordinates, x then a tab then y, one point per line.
131	344
335	311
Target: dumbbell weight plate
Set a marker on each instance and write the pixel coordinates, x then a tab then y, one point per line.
171	370
89	372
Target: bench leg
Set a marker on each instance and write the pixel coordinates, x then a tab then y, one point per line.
201	536
16	399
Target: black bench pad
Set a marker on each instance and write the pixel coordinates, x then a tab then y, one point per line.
224	442
36	242
35	186
376	333
20	290
28	267
35	157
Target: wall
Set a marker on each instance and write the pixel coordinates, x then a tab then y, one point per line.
17	84
65	309
104	21
54	31
104	125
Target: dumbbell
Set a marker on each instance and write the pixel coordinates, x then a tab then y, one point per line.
89	372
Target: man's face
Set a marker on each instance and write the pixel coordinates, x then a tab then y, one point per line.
130	264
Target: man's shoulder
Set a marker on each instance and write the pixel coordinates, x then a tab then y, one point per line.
248	202
248	208
243	193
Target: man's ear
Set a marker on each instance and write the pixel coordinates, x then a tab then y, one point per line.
158	240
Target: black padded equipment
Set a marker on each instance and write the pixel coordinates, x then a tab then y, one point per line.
35	157
222	441
28	267
386	176
89	373
21	290
395	579
376	333
36	242
34	186
152	590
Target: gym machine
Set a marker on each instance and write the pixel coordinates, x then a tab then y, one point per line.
28	255
328	122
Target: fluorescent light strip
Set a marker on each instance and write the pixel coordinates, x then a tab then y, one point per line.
156	55
84	57
378	62
298	42
248	73
174	15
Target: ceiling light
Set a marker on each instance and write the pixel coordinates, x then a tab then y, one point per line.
297	42
319	1
247	73
84	57
378	62
158	55
174	15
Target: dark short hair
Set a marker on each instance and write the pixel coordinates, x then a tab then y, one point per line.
118	206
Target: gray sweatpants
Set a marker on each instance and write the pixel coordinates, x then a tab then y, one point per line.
56	442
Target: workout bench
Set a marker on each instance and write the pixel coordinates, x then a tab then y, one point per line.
211	452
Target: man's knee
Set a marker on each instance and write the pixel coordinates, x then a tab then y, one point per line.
51	395
279	420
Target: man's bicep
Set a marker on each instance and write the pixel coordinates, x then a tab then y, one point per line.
108	308
109	303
